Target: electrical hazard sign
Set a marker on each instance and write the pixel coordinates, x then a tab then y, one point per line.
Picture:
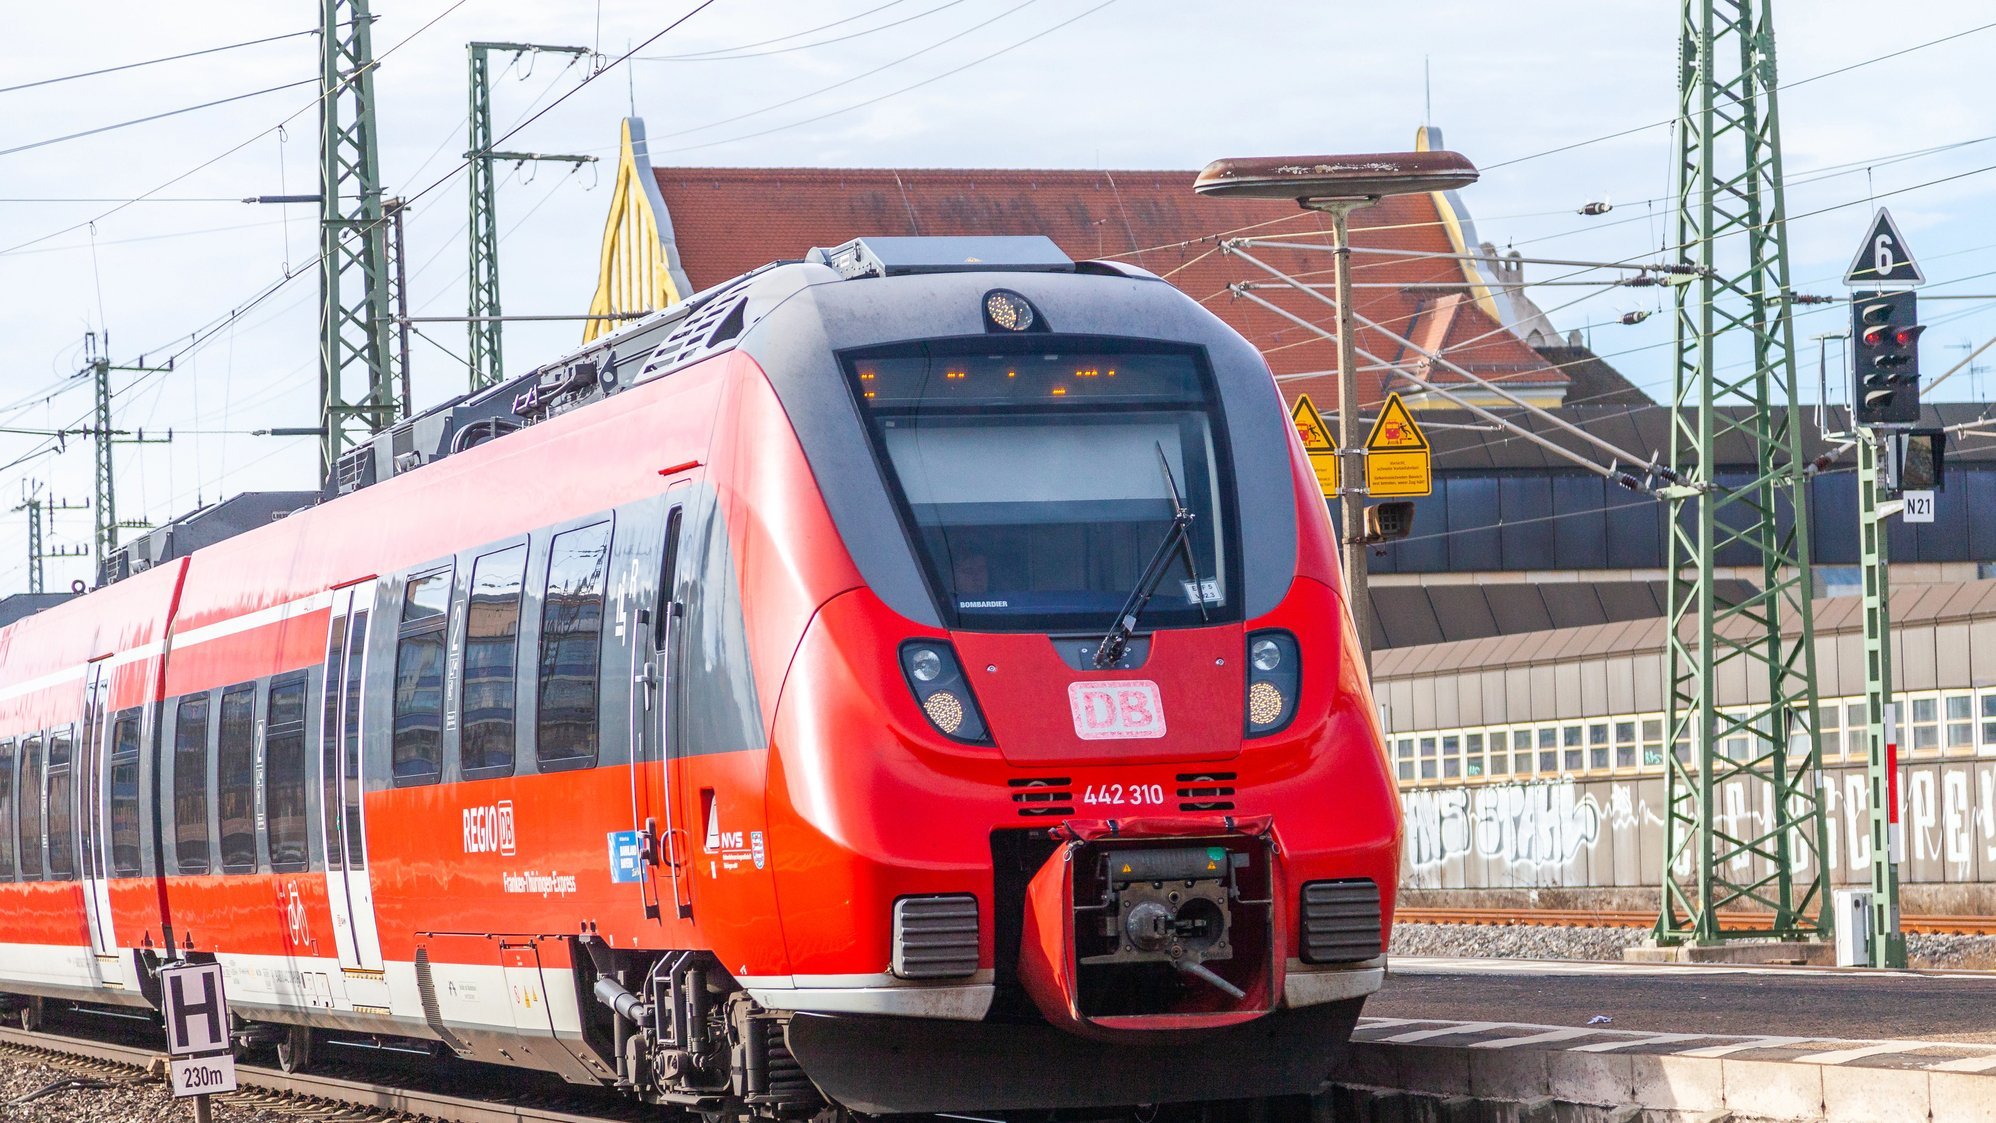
1318	442
1398	461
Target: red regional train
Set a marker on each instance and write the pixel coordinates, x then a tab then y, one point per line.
915	678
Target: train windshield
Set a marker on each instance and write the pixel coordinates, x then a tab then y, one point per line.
1037	476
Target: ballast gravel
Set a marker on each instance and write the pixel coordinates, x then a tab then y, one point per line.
1533	941
70	1094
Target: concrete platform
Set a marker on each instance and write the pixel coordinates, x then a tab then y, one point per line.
1825	1002
1814	953
1667	1042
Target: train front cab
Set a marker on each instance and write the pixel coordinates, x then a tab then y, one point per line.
1173	863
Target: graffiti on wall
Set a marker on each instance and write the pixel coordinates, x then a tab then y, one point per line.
1610	832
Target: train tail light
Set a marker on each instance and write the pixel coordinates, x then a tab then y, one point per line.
1274	678
936	677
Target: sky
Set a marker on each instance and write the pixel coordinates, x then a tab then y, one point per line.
1142	84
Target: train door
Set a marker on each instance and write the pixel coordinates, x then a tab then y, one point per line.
92	792
348	890
652	798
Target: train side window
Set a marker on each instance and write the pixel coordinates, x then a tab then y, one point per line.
124	769
6	810
284	774
61	808
235	784
572	647
668	572
419	678
30	792
190	785
491	662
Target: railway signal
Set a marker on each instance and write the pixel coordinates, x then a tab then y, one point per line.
1885	395
1885	357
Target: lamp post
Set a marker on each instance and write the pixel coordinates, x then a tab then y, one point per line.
1339	185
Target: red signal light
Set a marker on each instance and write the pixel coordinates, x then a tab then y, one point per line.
1907	336
1876	337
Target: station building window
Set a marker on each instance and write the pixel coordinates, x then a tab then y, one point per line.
572	646
1472	760
491	662
1625	744
1451	757
1925	725
190	785
1597	746
124	767
1429	768
1652	742
31	808
419	678
1989	722
1575	758
1500	753
1521	752
1403	753
1548	751
1959	732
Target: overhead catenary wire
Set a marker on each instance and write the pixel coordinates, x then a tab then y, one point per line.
45	142
235	148
1783	86
745	53
156	61
894	93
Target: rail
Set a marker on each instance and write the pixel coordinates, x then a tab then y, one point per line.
1963	925
387	1099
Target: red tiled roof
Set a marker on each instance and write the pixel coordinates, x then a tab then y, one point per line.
730	220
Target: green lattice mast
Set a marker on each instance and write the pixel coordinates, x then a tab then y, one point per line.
484	322
356	360
1735	389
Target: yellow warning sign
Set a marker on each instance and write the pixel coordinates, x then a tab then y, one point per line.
1318	442
1398	461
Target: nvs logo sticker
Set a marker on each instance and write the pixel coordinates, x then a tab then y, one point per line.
489	830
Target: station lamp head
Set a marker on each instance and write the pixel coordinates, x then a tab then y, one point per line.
1318	181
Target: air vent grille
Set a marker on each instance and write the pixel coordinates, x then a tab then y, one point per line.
1205	791
1340	921
935	937
705	329
1039	797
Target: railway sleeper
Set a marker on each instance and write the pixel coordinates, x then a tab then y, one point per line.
678	1030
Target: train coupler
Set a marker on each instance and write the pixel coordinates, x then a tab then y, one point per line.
1146	925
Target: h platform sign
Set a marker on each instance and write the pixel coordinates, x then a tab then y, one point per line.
197	1029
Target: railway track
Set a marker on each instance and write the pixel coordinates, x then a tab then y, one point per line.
1611	918
309	1094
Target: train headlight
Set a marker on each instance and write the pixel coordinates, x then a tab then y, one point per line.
936	678
1275	678
1265	654
945	710
1008	311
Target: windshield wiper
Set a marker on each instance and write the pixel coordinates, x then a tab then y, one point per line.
1177	539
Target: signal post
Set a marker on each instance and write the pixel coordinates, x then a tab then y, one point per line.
1885	402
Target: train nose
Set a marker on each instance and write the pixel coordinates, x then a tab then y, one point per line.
1154	924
